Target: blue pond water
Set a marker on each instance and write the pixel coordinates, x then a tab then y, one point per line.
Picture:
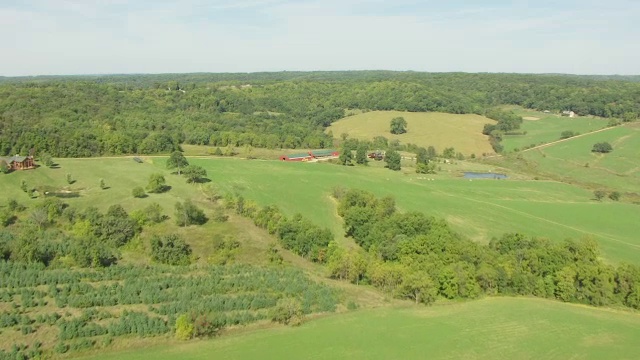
477	175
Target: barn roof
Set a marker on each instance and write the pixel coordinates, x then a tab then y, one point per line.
322	152
299	155
11	159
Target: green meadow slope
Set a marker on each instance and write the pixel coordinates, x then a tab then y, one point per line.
440	130
492	328
542	128
572	160
479	209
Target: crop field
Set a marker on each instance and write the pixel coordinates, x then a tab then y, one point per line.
573	160
547	128
492	328
440	130
479	209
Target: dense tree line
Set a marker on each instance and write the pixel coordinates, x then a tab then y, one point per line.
90	116
417	256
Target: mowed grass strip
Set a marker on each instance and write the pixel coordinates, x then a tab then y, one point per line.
492	328
547	128
440	130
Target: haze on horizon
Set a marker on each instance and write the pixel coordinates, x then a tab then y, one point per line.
56	37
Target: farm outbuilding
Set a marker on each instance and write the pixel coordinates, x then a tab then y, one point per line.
311	155
323	153
296	157
19	162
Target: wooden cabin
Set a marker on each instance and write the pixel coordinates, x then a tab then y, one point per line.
19	162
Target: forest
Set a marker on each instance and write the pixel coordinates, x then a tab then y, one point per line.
85	116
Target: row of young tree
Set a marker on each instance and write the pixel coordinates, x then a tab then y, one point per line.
79	306
93	116
420	257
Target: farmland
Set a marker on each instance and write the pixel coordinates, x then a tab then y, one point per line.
547	128
440	130
477	209
572	160
100	257
507	328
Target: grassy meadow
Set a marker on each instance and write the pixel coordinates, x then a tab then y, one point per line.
479	209
492	328
440	130
543	128
573	161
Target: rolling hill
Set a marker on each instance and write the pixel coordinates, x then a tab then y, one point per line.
440	130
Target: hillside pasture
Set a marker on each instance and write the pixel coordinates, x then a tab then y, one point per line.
492	328
479	209
573	161
542	128
440	130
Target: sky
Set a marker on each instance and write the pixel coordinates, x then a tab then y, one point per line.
63	37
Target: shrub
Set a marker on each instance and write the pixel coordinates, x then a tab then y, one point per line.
170	250
157	183
615	196
189	214
567	134
288	311
4	167
599	195
184	327
138	192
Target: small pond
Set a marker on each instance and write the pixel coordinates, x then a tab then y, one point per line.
480	175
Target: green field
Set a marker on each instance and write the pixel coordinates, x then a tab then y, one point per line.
440	130
547	128
477	209
573	161
493	328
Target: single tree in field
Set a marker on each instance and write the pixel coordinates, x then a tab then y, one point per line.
346	157
157	183
194	173
361	154
599	195
398	125
603	148
177	160
103	185
392	158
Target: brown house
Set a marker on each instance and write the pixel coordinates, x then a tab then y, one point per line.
19	162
